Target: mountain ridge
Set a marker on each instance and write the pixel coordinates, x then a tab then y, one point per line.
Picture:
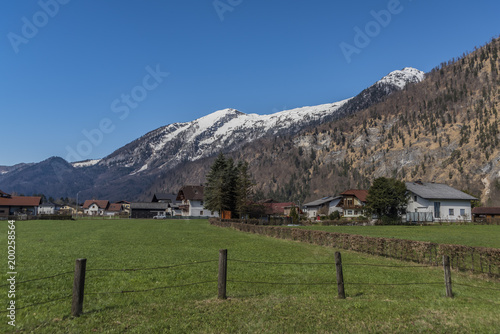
144	160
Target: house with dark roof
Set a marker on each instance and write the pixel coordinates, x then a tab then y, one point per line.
18	205
164	198
148	210
94	207
48	208
322	206
485	213
353	202
191	198
171	199
437	202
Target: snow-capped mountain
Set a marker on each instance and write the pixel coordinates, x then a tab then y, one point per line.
403	77
392	82
130	170
225	129
228	129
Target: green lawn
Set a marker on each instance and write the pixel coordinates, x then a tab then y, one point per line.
45	248
469	235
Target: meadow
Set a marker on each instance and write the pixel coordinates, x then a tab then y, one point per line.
455	234
296	293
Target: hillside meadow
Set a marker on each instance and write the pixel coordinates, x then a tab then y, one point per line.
173	287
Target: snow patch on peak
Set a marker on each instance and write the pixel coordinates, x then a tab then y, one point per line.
85	163
401	78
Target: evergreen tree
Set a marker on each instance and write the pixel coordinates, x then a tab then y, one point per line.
243	189
387	198
220	188
228	186
214	196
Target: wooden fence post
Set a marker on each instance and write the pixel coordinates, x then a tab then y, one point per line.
78	286
340	276
447	275
222	274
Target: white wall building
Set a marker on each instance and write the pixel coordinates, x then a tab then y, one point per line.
47	209
95	207
325	205
192	202
437	202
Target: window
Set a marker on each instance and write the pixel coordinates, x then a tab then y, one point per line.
452	212
201	213
437	209
349	212
462	212
415	198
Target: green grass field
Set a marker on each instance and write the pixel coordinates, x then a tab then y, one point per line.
469	235
304	305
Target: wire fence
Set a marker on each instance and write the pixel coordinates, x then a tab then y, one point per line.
222	278
477	260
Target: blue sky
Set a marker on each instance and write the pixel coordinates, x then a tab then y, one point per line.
79	79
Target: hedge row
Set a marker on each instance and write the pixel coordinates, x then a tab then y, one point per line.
474	259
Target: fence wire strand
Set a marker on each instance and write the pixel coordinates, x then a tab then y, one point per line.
280	283
153	268
148	290
39	279
476	287
331	283
283	263
386	266
41	303
357	283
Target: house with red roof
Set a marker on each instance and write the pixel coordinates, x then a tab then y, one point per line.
486	213
94	207
353	202
18	205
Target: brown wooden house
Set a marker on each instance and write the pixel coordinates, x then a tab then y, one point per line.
486	214
18	205
353	202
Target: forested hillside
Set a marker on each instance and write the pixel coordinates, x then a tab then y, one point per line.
443	129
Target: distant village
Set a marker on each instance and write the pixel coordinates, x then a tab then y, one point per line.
428	202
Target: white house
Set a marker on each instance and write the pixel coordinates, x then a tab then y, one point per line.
47	209
191	198
322	206
95	207
437	202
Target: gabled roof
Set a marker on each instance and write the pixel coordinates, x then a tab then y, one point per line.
20	201
361	194
191	193
149	206
102	204
4	194
437	191
486	211
47	205
115	207
322	201
277	208
168	198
